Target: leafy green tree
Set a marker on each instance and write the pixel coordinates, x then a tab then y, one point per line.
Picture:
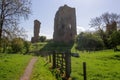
88	41
103	35
26	46
114	39
42	38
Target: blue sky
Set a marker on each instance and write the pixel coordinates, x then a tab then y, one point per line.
45	10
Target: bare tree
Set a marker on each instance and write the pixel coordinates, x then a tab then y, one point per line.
11	11
14	32
105	19
108	22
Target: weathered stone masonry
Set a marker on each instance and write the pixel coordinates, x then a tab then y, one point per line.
36	31
65	25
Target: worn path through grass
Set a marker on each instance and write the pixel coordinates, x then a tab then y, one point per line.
28	70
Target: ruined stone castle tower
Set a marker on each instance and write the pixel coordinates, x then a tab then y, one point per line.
111	27
65	24
36	31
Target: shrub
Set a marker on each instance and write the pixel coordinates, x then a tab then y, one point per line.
42	38
114	39
4	43
17	45
88	41
26	46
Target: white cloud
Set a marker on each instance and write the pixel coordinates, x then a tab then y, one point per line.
47	35
80	29
84	29
30	35
91	29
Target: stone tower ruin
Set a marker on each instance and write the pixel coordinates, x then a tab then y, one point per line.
36	31
65	24
111	27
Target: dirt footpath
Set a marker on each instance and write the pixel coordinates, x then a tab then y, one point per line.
28	70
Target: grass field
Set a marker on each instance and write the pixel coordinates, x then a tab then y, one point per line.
41	71
101	65
12	65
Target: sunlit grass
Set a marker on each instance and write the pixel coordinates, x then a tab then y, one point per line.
101	65
41	71
12	65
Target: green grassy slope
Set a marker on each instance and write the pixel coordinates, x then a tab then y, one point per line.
12	66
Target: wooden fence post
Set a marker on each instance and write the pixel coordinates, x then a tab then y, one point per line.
54	59
84	71
49	57
68	64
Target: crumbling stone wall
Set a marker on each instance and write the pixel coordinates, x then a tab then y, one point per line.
65	24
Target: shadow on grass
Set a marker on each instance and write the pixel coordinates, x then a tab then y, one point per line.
113	57
75	78
57	46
